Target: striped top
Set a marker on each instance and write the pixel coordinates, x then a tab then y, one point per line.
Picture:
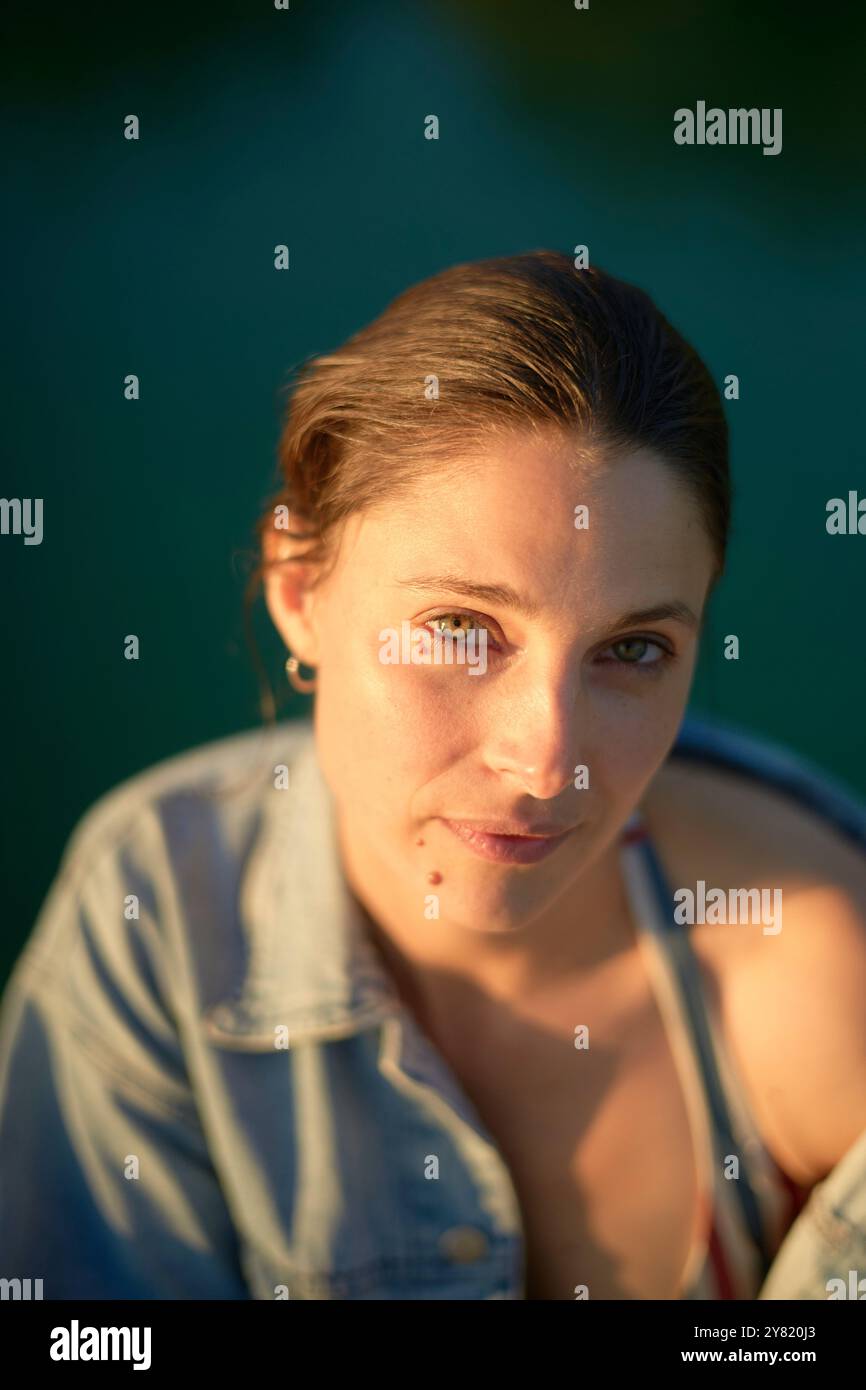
743	1219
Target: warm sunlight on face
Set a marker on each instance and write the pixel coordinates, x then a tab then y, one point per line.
432	753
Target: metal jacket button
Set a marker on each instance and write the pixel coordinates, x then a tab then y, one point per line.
463	1244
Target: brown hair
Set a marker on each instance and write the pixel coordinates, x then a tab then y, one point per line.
514	342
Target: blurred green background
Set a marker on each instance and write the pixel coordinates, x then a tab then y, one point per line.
306	127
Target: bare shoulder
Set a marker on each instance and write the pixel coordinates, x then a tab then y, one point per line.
792	1003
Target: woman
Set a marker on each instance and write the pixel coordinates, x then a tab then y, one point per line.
397	1004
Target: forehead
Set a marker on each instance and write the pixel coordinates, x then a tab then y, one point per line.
507	512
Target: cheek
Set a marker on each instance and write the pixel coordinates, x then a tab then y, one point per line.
630	727
626	752
387	730
399	699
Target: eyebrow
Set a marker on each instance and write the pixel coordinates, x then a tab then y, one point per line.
506	597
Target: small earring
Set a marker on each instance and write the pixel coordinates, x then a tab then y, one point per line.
302	683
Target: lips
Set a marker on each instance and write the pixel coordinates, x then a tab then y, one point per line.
506	844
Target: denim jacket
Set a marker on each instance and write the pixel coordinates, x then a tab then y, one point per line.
209	1087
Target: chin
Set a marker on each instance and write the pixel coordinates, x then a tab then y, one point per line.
500	913
483	923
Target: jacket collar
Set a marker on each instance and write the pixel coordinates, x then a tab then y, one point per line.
310	966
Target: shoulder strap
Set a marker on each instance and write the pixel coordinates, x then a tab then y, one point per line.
676	945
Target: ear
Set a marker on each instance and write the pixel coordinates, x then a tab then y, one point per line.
288	588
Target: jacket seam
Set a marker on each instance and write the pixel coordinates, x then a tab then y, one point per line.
121	1070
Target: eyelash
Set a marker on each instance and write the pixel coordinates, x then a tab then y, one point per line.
648	668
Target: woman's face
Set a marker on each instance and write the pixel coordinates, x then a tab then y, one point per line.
446	755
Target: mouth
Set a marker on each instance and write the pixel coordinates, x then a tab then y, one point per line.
503	846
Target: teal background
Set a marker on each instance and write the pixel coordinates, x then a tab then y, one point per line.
306	127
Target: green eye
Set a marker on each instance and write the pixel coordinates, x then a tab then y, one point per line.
630	651
631	642
463	622
453	624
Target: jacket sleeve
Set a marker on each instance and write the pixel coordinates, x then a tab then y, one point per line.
823	1255
106	1185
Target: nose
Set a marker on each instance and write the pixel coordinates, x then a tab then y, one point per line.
536	733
